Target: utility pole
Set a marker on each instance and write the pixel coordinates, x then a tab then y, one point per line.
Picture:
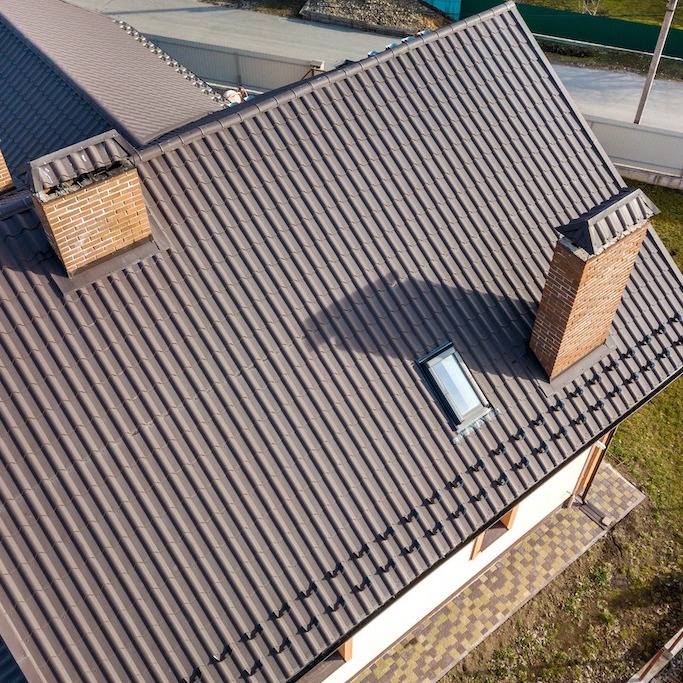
657	55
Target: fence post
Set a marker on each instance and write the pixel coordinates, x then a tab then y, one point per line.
654	64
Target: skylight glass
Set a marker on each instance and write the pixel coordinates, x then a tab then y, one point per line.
454	386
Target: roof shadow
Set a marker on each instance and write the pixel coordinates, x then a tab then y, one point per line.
408	318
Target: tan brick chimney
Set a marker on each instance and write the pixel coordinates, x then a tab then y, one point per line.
5	177
588	274
90	201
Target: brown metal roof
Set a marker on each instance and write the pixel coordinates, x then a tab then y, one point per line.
81	74
221	460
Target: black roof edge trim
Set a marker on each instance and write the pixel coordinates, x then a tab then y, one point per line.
326	653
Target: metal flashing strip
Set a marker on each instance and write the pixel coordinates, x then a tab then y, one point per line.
122	261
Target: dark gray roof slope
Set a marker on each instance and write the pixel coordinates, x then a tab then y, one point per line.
607	222
9	669
222	460
80	74
59	114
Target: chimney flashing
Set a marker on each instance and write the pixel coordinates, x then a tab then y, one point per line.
128	260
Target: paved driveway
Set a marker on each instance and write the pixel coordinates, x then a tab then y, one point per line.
615	95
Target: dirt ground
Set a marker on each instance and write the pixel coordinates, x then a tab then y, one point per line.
600	621
411	14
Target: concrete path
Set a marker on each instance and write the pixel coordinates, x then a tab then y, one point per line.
615	95
252	31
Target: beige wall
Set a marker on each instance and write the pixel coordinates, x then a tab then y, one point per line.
436	588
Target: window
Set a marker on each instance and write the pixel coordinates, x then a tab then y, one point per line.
453	386
494	532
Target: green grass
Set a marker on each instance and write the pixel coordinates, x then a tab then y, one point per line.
644	11
668	223
650	443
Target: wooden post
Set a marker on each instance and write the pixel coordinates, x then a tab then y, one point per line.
508	519
346	650
592	463
476	548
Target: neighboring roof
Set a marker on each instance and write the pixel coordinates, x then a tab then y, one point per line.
61	115
606	223
222	460
245	31
81	74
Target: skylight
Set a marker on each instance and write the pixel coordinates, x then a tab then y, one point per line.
453	386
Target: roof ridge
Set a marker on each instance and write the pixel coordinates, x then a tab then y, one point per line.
277	97
170	61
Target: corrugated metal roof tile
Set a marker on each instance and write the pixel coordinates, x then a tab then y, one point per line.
233	426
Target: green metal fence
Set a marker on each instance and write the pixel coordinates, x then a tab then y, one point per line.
583	27
449	7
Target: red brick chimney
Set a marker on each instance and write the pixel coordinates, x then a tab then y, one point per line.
90	202
5	177
588	274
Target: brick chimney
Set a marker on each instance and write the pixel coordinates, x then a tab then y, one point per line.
588	274
90	202
5	177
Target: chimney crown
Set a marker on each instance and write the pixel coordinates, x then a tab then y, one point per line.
607	223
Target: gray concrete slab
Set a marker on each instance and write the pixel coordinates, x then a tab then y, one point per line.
254	31
615	95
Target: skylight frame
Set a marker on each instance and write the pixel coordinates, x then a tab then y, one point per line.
459	418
